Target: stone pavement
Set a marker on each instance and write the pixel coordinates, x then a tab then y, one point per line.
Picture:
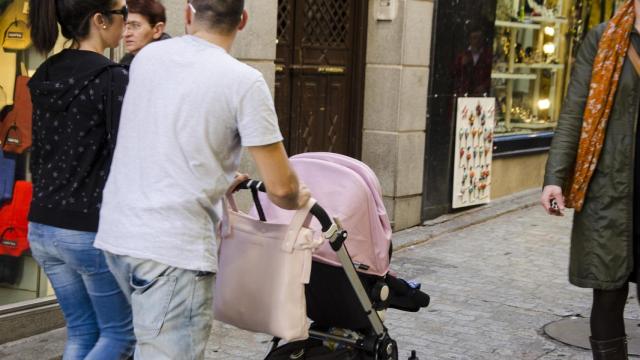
494	285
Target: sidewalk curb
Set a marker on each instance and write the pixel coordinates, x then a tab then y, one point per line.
455	222
45	346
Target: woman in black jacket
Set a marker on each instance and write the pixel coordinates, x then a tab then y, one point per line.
77	95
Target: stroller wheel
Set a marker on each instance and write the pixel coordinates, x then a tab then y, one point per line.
388	349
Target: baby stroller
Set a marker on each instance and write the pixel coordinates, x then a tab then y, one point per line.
351	285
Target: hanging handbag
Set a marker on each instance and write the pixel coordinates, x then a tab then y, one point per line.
13	221
15	130
7	176
262	270
17	36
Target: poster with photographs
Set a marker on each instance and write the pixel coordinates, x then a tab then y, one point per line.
475	121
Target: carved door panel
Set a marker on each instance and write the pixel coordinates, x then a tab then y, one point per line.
315	75
284	57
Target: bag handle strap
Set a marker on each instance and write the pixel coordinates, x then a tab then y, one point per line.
301	217
256	201
635	58
5	231
8	139
231	201
23	69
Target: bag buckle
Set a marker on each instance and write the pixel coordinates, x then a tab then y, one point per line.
12	141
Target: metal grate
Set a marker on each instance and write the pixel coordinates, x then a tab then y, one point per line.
284	21
332	136
326	22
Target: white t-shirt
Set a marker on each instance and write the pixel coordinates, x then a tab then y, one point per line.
188	110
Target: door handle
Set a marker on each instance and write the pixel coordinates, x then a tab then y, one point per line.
331	69
319	69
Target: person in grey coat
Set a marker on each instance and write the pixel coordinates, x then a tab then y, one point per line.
606	224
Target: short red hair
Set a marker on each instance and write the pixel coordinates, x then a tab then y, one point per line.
152	10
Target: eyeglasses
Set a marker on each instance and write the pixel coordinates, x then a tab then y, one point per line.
133	25
124	12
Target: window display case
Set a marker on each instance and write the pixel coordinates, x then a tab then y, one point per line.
21	279
529	64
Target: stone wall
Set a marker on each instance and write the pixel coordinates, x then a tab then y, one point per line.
398	56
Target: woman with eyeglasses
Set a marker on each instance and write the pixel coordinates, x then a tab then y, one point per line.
146	24
77	96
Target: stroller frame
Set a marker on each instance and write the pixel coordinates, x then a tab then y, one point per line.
378	342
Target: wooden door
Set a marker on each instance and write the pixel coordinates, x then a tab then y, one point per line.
319	75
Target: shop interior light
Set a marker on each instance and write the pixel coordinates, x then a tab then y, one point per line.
544	104
549	48
549	30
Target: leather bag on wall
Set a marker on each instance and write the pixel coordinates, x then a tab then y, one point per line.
15	129
13	221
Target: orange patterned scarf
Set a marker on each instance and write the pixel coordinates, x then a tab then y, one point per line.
607	67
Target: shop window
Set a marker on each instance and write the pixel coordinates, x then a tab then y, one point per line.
529	65
533	50
21	279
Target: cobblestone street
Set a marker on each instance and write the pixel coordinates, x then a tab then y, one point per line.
493	286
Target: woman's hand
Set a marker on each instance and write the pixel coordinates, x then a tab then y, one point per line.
552	200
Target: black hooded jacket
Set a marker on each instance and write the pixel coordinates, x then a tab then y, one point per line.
77	96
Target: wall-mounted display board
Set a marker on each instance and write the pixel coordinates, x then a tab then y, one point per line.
475	123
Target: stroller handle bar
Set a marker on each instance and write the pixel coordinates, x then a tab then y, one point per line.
317	211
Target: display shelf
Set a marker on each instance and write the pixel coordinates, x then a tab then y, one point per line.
546	20
529	65
518	25
539	66
533	125
531	22
512	76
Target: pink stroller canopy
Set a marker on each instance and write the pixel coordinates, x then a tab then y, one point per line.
348	190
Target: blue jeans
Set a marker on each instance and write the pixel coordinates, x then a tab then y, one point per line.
172	307
99	323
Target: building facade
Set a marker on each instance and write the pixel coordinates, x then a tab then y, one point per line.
379	80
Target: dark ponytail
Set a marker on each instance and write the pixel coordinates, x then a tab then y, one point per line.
74	17
44	24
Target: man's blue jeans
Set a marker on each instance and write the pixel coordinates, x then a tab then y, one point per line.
98	315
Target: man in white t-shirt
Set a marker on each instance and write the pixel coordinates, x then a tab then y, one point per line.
189	109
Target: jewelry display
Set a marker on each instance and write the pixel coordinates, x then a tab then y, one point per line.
474	143
543	9
530	64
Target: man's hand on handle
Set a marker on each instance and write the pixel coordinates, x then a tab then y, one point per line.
303	195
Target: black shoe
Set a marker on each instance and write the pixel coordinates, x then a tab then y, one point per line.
613	349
